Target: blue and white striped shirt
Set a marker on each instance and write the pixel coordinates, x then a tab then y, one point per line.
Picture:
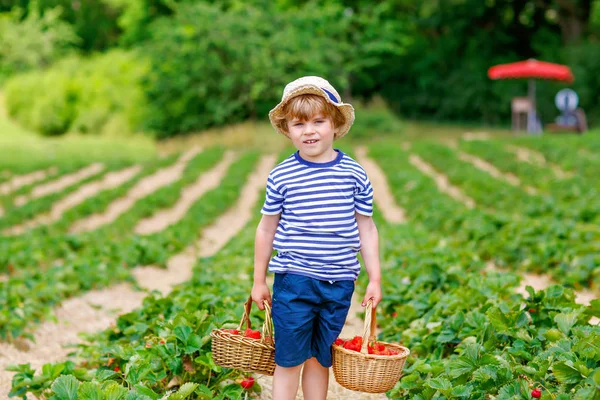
317	235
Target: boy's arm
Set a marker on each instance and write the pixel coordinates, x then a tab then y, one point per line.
369	250
263	249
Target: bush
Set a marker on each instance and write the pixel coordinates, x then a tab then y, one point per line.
80	95
213	66
33	42
375	120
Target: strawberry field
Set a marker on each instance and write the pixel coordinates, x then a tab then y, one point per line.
134	262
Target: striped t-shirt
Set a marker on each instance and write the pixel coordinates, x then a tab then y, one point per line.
317	235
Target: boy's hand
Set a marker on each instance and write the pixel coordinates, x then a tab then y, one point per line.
260	292
374	292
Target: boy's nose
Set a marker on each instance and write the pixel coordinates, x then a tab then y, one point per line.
309	128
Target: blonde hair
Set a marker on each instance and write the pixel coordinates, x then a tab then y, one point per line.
304	107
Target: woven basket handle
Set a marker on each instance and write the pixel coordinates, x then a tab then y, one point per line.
267	329
369	326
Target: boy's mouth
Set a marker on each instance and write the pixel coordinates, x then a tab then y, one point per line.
312	141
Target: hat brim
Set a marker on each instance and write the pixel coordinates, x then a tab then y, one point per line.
345	108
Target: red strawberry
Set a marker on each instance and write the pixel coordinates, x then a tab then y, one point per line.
339	342
117	369
232	331
535	393
350	345
394	314
248	383
252	334
148	345
358	340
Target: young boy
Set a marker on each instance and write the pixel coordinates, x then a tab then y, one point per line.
317	215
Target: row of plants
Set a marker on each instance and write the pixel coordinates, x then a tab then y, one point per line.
560	247
164	345
106	254
52	173
84	244
573	154
472	337
575	191
46	243
16	213
496	194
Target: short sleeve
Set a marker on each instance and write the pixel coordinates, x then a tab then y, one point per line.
274	199
363	198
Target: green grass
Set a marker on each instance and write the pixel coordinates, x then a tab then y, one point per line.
24	150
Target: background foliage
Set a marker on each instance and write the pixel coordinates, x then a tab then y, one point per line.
208	63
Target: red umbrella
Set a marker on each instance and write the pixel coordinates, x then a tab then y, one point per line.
531	69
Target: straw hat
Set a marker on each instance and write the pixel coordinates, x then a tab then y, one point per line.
320	87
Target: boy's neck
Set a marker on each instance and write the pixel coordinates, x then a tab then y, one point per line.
325	157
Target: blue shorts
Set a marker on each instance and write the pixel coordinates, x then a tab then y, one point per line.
308	315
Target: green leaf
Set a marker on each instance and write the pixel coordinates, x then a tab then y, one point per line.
586	393
204	393
182	333
105	374
596	378
194	344
554	291
566	321
565	373
136	396
65	388
446	336
498	320
140	388
89	391
441	384
486	373
184	391
594	308
52	371
461	391
114	391
461	366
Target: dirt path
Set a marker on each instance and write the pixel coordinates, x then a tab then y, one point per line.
143	188
89	313
97	310
536	158
475	136
442	181
109	181
383	196
189	194
495	172
60	183
213	238
18	181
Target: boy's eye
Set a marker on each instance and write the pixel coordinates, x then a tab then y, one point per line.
298	124
319	121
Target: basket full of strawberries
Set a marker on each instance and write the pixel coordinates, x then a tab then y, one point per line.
246	349
366	365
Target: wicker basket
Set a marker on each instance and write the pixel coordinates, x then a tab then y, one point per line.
246	354
365	372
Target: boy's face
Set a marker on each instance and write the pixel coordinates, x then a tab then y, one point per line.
313	137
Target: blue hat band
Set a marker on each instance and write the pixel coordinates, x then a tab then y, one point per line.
330	95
